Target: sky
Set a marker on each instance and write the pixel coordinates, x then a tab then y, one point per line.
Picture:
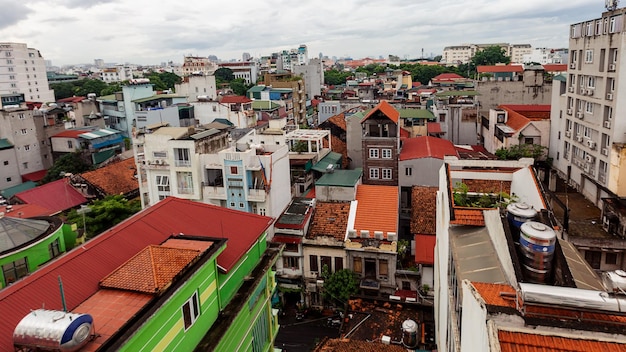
150	32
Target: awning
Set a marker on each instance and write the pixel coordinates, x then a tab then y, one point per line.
434	128
287	239
34	176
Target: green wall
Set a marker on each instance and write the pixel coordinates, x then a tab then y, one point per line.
165	330
230	282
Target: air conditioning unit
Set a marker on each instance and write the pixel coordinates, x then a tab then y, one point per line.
609	96
605	151
569	111
586	167
589	158
572	65
591	144
580	114
611	67
607	124
571	89
568	134
590	92
579	138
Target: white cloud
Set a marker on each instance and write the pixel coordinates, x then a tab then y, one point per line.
149	32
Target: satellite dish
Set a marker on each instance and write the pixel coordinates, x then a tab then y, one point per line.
611	5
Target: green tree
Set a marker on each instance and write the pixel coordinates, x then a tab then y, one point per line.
335	77
74	163
340	286
111	88
491	56
239	86
105	213
224	74
517	151
437	58
90	86
62	90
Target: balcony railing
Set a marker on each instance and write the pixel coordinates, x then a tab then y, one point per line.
213	192
182	163
256	195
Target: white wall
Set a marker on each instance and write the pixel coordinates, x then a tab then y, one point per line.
474	335
442	248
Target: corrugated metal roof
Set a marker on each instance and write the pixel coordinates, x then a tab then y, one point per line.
56	196
5	144
15	232
416	114
331	158
11	191
475	257
103	132
426	147
340	178
82	268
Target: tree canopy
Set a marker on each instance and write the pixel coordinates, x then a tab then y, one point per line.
105	213
336	77
164	80
491	56
517	151
74	163
340	286
224	74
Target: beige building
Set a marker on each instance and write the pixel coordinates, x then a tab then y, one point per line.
24	71
465	52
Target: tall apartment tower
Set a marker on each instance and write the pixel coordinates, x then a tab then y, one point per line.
589	134
23	70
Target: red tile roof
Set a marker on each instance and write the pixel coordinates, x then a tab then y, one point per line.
71	100
338	120
425	249
423	210
25	211
377	209
386	109
34	176
82	268
235	99
116	178
330	219
69	134
150	270
434	128
468	216
555	67
499	68
496	294
56	196
512	341
448	77
426	147
522	115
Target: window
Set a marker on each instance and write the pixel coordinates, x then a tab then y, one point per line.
593	258
313	263
589	29
591	81
387	174
262	211
163	183
234	170
27	147
53	249
6	162
374	173
408	171
529	140
15	270
588	56
181	156
357	265
386	153
383	267
25	165
9	179
191	311
291	263
24	131
327	263
373	153
610	258
70	145
612	25
589	107
185	182
598	27
159	154
21	116
338	264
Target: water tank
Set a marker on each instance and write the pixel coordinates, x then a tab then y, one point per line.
409	333
52	330
537	243
615	281
517	214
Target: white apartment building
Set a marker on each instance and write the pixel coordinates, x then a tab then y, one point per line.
248	70
464	53
195	65
588	137
23	70
546	56
118	73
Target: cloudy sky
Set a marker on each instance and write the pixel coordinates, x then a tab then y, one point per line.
150	32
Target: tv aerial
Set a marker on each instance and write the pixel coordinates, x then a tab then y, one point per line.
611	5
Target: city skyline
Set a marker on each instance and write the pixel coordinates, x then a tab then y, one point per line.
105	29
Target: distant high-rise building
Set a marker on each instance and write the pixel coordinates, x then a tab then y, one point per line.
246	57
24	71
98	62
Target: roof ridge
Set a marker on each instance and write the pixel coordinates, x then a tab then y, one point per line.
151	250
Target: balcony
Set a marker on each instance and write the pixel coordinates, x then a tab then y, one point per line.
256	195
213	192
182	163
155	165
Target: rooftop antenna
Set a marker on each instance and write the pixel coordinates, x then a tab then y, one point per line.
611	5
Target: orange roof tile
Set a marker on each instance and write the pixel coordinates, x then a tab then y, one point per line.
426	147
25	211
467	216
555	67
377	209
423	210
116	178
492	294
150	270
338	120
499	68
330	219
511	341
386	109
235	99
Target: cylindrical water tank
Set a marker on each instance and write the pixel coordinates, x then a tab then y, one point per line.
517	214
409	333
53	330
537	243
